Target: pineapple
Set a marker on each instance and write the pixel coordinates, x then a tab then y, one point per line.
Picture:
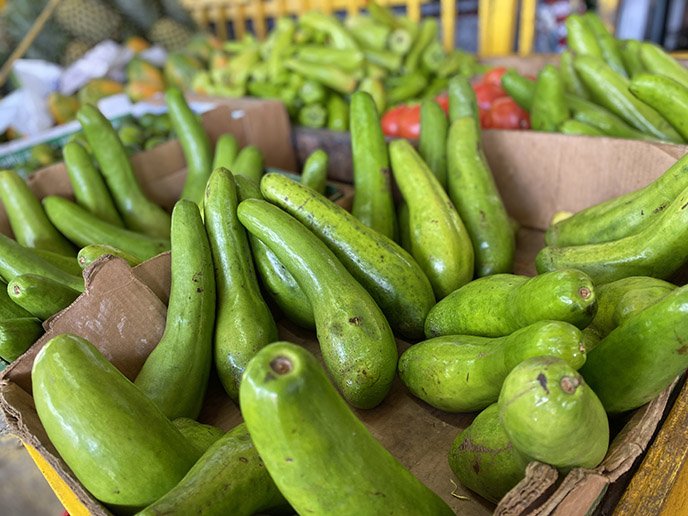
88	20
169	34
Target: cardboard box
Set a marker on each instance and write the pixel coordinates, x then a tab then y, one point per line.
559	172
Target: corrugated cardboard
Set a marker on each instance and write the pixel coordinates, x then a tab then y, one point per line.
417	434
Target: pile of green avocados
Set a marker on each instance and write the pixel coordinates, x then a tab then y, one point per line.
544	360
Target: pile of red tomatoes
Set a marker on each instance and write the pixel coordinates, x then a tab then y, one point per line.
497	109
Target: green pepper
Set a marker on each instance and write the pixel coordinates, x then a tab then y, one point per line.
374	71
384	58
382	15
338	35
433	57
376	90
427	33
410	86
436	86
303	35
263	89
456	62
313	115
367	33
400	41
347	60
312	91
337	113
329	76
285	32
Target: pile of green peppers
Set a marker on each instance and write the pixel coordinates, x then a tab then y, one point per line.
314	63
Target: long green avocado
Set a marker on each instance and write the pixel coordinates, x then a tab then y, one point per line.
484	459
135	454
301	427
82	228
244	322
16	259
373	202
17	335
357	343
382	267
175	374
41	296
200	435
498	305
463	373
439	240
622	216
277	281
27	219
644	291
552	415
640	358
473	192
659	250
229	479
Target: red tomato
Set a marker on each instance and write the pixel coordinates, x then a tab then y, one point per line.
506	114
486	94
409	122
482	114
531	77
443	101
494	76
390	121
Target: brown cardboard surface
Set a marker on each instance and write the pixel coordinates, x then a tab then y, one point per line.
541	173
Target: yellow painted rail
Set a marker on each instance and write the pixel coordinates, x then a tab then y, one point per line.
240	12
497	19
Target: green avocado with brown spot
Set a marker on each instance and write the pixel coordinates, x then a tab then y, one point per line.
391	275
551	414
464	373
640	358
229	478
618	300
357	343
321	456
658	250
484	459
500	304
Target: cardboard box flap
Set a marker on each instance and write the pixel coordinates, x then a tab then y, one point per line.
529	493
556	172
103	315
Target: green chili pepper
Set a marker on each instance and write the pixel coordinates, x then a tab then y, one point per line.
337	113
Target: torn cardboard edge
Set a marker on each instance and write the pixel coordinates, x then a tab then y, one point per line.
123	315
